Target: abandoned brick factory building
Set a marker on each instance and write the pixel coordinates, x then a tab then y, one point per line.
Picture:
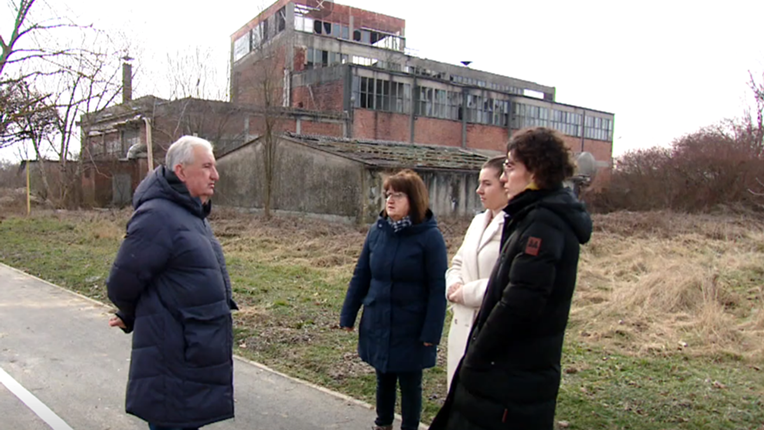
323	82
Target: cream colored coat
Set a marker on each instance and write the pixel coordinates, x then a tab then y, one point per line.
471	266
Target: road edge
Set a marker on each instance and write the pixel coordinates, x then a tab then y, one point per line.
261	366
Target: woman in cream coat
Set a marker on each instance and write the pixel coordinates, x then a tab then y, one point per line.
472	264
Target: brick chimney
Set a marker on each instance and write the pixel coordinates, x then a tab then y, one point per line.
127	79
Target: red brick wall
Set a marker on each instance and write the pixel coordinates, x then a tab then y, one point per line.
327	96
601	150
249	75
486	137
298	59
321	128
371	124
433	131
341	14
258	125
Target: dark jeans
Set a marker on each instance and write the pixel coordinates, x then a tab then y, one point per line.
153	427
411	398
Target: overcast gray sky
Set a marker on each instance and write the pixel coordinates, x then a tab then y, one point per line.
664	68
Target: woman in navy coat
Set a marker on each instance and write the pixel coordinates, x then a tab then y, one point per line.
399	278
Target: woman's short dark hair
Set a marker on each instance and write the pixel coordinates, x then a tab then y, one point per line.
495	163
545	155
409	182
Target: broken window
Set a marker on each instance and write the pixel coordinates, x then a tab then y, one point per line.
309	58
355	91
130	137
363	61
264	31
241	47
317	26
366	95
357	35
440	104
281	20
304	24
381	95
113	146
256	36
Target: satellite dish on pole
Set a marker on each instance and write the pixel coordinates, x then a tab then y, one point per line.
586	165
586	168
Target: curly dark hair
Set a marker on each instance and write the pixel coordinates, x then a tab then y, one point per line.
545	155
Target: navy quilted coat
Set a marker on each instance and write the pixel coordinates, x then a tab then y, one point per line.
399	279
170	284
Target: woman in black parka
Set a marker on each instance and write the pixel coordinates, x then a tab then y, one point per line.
399	279
510	374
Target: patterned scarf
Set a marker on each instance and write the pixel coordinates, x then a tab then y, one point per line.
400	224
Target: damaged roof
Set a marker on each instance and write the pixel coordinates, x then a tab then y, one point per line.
388	154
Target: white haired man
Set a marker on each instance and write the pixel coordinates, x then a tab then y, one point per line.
170	284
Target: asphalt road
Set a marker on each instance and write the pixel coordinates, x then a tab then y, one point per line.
62	367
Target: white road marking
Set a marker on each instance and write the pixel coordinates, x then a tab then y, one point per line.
33	403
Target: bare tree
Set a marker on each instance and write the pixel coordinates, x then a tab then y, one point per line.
20	107
90	83
22	28
261	84
758	92
33	120
192	72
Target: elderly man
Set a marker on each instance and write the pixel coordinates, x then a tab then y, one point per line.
170	284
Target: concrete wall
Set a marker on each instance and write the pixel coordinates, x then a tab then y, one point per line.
316	182
306	180
451	194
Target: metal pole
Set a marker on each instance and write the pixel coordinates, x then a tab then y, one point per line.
584	117
149	150
29	200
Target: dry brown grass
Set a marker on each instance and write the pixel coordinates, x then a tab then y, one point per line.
665	283
656	282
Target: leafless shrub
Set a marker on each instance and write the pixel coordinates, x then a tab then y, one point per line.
716	166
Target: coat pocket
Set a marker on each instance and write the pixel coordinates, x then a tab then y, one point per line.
207	334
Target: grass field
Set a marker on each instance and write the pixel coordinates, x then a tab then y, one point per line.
666	328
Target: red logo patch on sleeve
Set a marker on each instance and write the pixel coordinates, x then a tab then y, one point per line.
533	245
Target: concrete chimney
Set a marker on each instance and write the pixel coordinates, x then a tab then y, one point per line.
127	80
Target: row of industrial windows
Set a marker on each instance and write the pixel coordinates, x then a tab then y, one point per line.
384	95
483	84
316	58
569	123
260	34
370	37
322	58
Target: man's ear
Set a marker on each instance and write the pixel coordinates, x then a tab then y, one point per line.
179	172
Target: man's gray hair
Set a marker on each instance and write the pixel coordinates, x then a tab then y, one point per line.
182	151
